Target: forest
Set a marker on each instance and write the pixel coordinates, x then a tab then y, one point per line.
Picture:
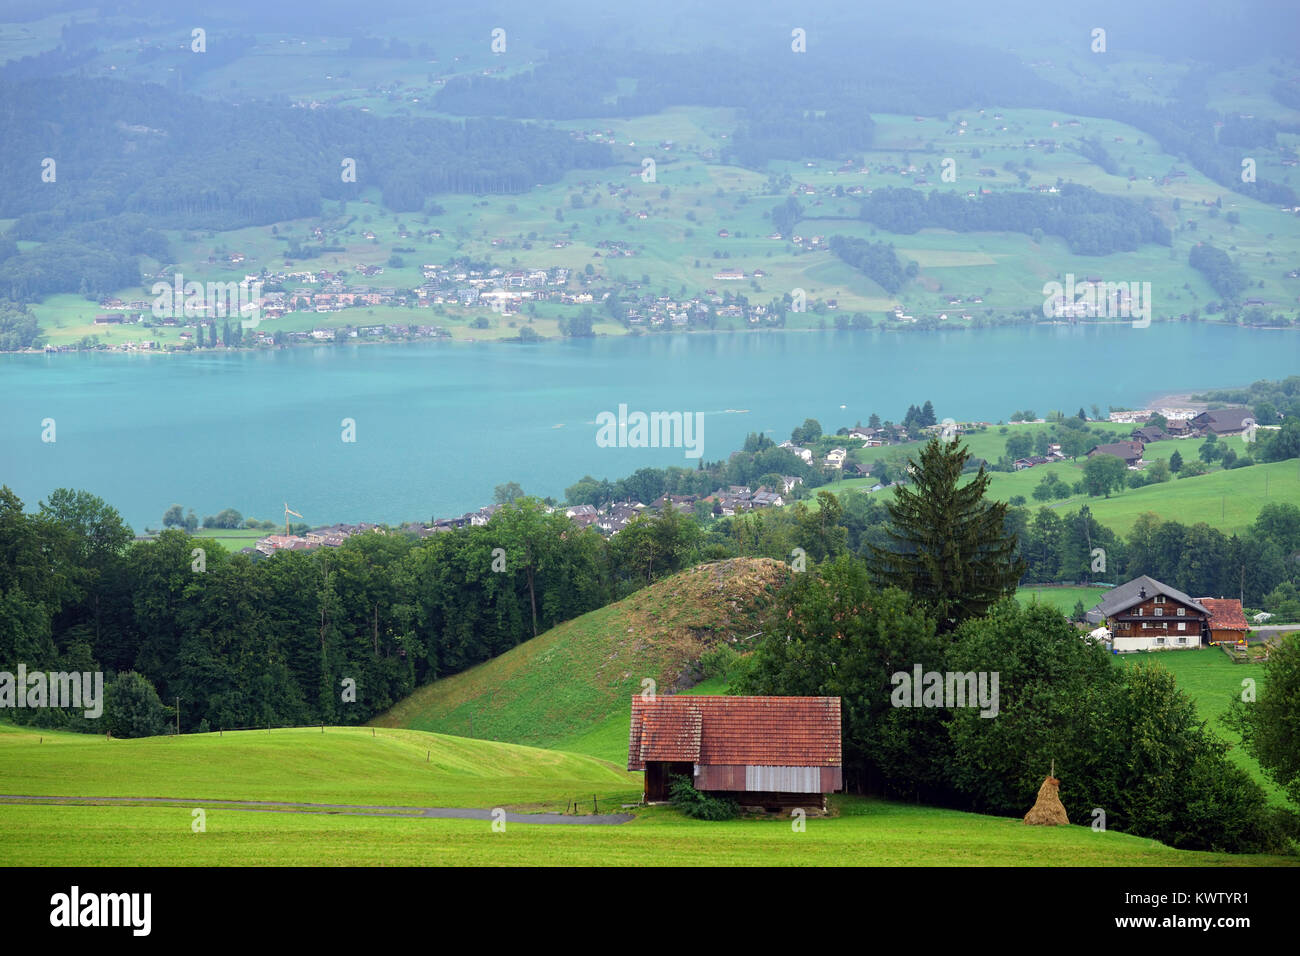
876	260
1092	223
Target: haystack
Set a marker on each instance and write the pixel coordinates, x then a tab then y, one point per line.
1048	811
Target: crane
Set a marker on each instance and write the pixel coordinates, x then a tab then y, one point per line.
288	511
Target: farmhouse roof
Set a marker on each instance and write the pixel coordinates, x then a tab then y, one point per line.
735	731
1226	614
1128	450
1222	420
1134	592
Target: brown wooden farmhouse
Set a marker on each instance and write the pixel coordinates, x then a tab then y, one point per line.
1147	615
772	752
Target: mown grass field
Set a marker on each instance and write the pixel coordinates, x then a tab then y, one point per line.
356	765
868	833
347	765
1062	598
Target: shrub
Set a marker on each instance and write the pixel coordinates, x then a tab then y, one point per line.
132	707
699	806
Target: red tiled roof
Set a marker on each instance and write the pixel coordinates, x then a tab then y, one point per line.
1225	614
736	731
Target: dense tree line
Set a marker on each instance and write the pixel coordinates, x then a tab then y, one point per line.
18	327
876	260
1092	223
759	462
1224	275
246	641
871	74
1197	559
1092	150
770	134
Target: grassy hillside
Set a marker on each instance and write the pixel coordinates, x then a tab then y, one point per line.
571	680
1226	500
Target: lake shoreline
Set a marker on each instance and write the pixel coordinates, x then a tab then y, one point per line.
637	334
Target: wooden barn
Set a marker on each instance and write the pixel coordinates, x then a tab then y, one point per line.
773	752
1227	623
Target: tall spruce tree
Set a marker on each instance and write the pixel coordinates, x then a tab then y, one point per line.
950	548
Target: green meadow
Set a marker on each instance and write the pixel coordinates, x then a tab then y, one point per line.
348	765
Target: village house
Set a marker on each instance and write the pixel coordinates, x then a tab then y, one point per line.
1149	433
1129	451
1146	615
1223	421
769	752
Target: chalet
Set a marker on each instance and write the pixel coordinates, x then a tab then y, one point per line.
1223	421
1146	615
1130	451
1179	428
1149	434
1227	624
773	752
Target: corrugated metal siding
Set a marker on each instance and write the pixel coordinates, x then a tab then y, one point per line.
784	779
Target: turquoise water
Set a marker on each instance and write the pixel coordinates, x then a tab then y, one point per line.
438	425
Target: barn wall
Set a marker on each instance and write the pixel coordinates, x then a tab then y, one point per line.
768	779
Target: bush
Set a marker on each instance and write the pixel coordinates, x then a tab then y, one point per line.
699	806
721	661
132	707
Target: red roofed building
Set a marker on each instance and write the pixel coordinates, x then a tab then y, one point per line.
1227	623
766	751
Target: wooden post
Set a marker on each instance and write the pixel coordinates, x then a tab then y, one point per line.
594	804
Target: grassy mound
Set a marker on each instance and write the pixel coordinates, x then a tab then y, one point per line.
572	684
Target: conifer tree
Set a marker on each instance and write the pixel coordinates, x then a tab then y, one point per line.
949	547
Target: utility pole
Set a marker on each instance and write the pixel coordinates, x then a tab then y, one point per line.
178	716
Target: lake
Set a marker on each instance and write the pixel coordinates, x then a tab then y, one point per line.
438	425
